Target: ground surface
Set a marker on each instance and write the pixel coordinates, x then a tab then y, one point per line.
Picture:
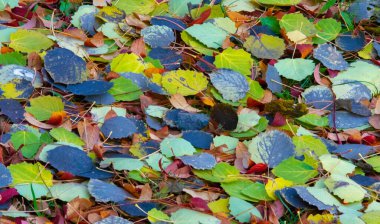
189	111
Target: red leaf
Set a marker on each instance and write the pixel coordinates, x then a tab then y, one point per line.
258	168
202	17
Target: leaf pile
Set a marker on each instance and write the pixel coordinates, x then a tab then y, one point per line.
189	111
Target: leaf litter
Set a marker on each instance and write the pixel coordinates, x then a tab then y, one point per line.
189	111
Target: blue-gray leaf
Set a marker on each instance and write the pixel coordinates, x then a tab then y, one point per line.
232	85
273	79
105	192
203	161
345	120
158	36
330	57
118	127
65	67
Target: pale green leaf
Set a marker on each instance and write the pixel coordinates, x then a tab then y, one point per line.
242	210
29	41
208	34
238	189
335	165
309	144
122	163
194	43
247	120
25	190
179	7
345	188
63	135
187	216
235	59
240	5
172	146
371	217
355	73
69	191
10	3
279	2
295	69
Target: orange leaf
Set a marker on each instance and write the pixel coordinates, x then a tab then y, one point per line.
57	117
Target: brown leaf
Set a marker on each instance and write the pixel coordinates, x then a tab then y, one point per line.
138	47
146	193
205	195
34	61
33	121
76	209
89	133
178	101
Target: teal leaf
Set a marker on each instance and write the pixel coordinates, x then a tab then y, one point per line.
242	210
295	69
208	34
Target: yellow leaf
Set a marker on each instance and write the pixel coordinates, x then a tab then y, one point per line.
276	184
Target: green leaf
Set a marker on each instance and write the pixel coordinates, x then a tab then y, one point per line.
371	78
314	120
127	63
122	163
235	59
225	23
242	210
222	172
345	188
184	82
309	143
63	135
179	7
13	58
208	34
192	217
30	143
124	89
374	162
29	41
294	170
297	22
327	30
279	2
266	46
172	146
334	165
27	173
295	69
219	206
256	191
136	6
43	107
237	189
155	215
272	23
194	43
